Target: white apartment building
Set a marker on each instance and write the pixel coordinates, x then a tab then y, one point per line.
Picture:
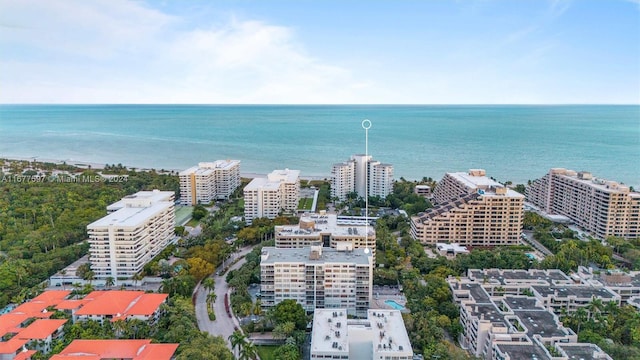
381	336
209	181
317	278
472	210
135	230
327	230
604	208
504	317
268	197
363	175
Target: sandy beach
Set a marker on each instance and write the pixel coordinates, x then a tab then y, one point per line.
94	165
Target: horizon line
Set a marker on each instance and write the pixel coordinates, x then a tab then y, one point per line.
332	104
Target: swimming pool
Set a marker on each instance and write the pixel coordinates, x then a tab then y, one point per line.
394	304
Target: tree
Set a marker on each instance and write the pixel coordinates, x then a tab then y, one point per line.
290	311
199	212
205	348
238	340
199	268
248	352
109	281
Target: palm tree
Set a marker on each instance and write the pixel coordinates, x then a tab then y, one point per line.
211	298
238	340
249	352
109	281
209	284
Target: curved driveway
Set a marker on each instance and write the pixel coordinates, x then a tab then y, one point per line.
223	325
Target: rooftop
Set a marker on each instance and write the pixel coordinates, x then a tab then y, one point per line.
382	331
116	349
132	216
578	291
144	197
272	255
524	351
541	322
316	224
581	351
588	179
41	329
121	304
553	276
286	175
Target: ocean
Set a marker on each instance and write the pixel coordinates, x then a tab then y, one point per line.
512	143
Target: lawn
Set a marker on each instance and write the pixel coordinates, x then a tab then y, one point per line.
305	204
266	351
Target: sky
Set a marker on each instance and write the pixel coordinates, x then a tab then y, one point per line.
320	52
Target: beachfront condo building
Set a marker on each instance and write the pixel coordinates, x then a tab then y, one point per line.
603	208
327	230
135	230
209	181
268	197
471	210
381	336
317	278
363	175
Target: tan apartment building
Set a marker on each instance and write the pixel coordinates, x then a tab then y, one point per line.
603	208
327	230
317	278
136	229
472	210
209	181
268	197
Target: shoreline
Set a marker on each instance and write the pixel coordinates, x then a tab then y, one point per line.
94	165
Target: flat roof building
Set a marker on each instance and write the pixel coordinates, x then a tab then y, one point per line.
136	229
472	210
602	207
317	278
268	197
382	335
363	175
327	230
209	181
514	314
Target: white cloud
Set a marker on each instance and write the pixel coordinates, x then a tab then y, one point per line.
119	51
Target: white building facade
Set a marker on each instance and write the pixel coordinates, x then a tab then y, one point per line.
209	181
268	197
136	229
317	278
363	175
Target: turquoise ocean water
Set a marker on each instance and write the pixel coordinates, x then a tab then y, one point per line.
514	143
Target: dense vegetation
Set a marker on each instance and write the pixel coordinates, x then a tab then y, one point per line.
43	223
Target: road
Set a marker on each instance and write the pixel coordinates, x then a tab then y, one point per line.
223	325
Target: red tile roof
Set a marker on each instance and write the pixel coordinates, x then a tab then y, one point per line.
41	329
25	355
121	303
129	349
11	346
35	306
9	323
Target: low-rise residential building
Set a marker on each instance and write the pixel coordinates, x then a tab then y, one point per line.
317	278
113	305
327	230
135	230
472	210
506	314
363	175
27	329
602	207
381	336
625	284
423	190
209	181
116	349
268	197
